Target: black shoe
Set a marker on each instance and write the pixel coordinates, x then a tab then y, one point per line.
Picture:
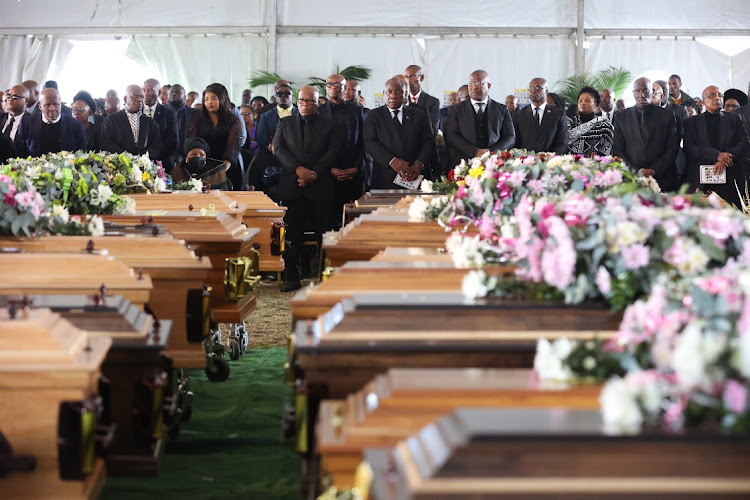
291	286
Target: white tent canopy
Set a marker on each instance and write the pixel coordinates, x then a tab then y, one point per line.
196	43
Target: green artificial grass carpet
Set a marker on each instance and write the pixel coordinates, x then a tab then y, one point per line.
232	447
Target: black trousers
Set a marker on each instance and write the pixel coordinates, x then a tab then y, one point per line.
303	215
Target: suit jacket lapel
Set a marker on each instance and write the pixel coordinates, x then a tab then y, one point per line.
467	121
142	131
636	128
547	122
703	131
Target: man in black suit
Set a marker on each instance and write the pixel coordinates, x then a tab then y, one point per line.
16	99
184	113
398	138
350	119
308	146
478	124
607	105
129	130
167	120
417	95
51	84
744	112
719	139
540	127
661	99
50	131
646	138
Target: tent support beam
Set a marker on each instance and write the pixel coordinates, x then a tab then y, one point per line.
272	32
580	62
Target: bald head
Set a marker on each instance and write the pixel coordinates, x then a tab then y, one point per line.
335	85
33	88
415	78
713	100
17	105
643	92
352	91
151	91
307	102
49	102
463	93
133	98
479	85
538	91
395	93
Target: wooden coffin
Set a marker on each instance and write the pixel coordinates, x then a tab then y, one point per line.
71	274
398	404
253	208
367	235
556	453
49	375
372	200
370	333
137	372
413	254
175	271
222	239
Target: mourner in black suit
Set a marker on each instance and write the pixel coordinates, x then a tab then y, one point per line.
716	138
7	149
50	131
15	100
167	120
479	124
308	146
540	127
120	129
184	113
398	138
417	95
646	138
349	117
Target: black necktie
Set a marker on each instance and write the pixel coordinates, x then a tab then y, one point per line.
480	105
395	120
536	114
8	126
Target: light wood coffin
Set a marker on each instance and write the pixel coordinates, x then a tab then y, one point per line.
47	361
556	453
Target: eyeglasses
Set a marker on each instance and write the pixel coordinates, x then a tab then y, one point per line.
477	84
246	113
644	92
13	97
80	110
713	95
535	87
334	84
309	102
283	94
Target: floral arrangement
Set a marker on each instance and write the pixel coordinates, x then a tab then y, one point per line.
23	212
608	248
681	355
190	185
90	183
492	185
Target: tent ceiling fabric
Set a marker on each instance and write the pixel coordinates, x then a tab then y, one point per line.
686	15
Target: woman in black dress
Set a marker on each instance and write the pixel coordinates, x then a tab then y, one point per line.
221	129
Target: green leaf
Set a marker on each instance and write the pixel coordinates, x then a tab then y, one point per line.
261	78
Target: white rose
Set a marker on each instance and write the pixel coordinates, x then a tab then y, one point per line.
61	212
136	176
688	359
548	361
619	407
473	285
417	208
96	226
159	185
129	208
104	193
426	186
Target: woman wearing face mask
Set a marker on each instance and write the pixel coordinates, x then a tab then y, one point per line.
198	165
220	128
590	134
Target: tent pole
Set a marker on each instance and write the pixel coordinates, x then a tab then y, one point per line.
580	63
272	17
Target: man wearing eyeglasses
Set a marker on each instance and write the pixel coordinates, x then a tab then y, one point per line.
646	138
719	139
479	124
350	119
282	109
540	127
15	100
308	147
50	131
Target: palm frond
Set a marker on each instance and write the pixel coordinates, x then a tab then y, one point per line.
261	77
613	78
318	82
569	87
355	72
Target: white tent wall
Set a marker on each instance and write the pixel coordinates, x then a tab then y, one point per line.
698	65
196	61
300	57
31	58
115	13
680	14
510	62
446	13
741	70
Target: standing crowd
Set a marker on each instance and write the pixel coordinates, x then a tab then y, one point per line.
323	152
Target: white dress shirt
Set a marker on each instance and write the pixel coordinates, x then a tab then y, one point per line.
476	105
541	110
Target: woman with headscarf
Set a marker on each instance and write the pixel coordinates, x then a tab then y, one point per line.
590	134
84	110
198	165
221	129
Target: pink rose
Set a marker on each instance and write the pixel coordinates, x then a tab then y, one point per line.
735	396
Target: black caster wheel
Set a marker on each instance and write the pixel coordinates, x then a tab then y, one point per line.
221	372
234	350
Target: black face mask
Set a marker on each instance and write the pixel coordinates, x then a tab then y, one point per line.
196	163
176	104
